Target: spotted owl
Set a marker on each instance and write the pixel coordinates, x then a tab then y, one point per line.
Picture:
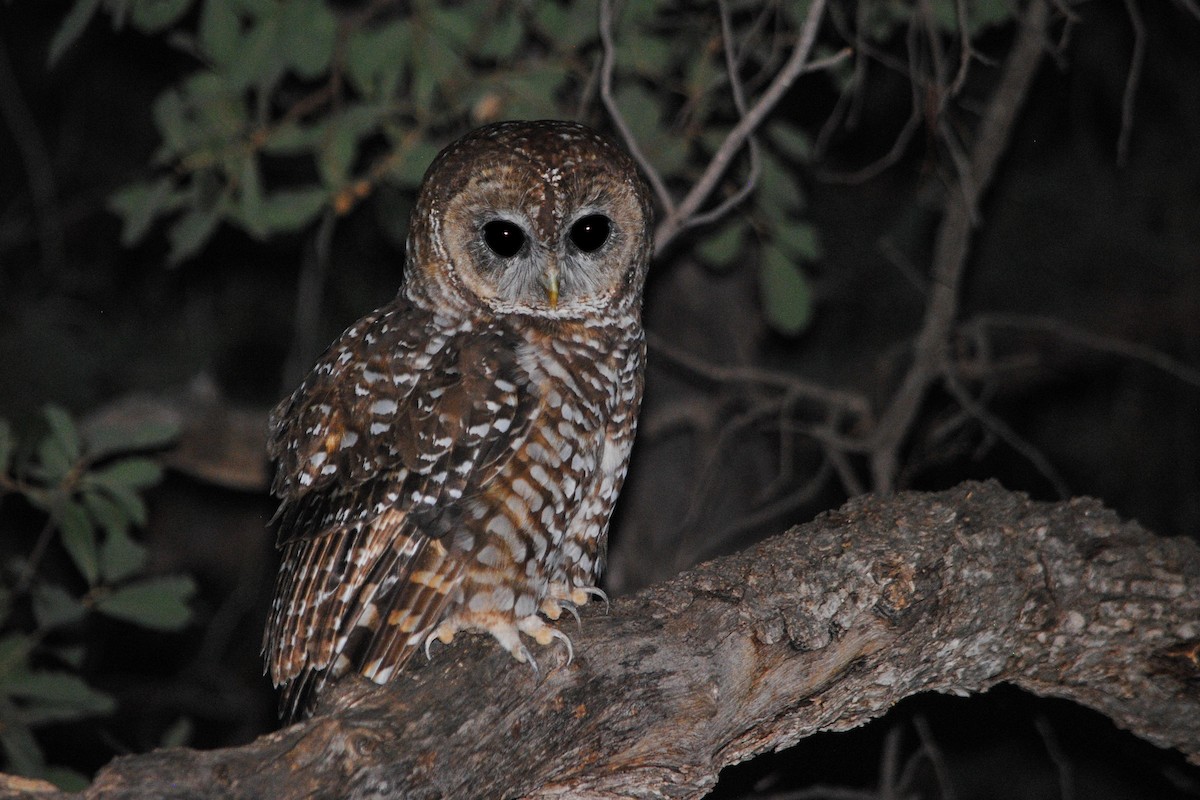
451	462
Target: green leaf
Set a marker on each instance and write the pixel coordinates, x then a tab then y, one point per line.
799	240
107	439
152	16
409	170
72	28
71	655
135	473
793	143
171	120
179	734
54	606
530	96
777	187
121	557
60	696
219	31
786	298
138	205
66	778
259	60
375	57
14	652
247	208
6	446
291	210
53	459
107	513
722	246
190	233
308	32
292	139
567	28
504	36
79	538
63	429
158	603
23	755
455	26
646	53
129	501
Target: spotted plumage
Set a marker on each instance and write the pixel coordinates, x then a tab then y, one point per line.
452	460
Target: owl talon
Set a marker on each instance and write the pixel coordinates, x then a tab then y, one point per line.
444	633
582	594
552	608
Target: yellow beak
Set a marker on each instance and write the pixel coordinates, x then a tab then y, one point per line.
552	286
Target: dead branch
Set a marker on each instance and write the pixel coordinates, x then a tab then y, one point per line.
952	247
821	629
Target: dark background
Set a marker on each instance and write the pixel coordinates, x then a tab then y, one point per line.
1066	232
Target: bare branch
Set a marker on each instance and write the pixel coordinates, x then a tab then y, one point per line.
834	399
607	66
1006	434
796	64
1136	62
1094	341
953	246
823	629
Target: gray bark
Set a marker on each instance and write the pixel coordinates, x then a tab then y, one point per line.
821	629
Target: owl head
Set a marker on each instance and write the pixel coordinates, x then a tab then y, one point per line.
543	218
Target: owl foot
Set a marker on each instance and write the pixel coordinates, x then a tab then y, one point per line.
553	609
507	634
562	593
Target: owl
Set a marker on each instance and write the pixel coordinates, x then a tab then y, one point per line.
451	462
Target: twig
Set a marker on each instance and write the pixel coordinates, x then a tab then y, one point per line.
38	169
933	752
1137	60
1062	766
767	512
309	291
903	138
844	401
1006	434
678	218
1095	341
607	66
930	351
965	51
739	102
1191	6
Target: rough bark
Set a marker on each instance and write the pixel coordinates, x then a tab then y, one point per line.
820	629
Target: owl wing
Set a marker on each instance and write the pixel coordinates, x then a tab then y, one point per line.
380	452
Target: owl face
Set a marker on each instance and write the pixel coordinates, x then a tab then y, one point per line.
540	218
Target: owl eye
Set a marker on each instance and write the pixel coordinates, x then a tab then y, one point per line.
591	232
503	238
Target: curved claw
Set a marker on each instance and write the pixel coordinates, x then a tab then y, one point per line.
557	634
595	591
527	657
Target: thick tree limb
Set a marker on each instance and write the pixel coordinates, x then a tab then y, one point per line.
821	629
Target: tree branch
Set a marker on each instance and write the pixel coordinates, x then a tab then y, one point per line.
952	248
822	629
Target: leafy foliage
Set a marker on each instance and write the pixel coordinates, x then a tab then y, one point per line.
302	108
88	488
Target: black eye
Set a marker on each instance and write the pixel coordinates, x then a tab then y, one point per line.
591	232
503	238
